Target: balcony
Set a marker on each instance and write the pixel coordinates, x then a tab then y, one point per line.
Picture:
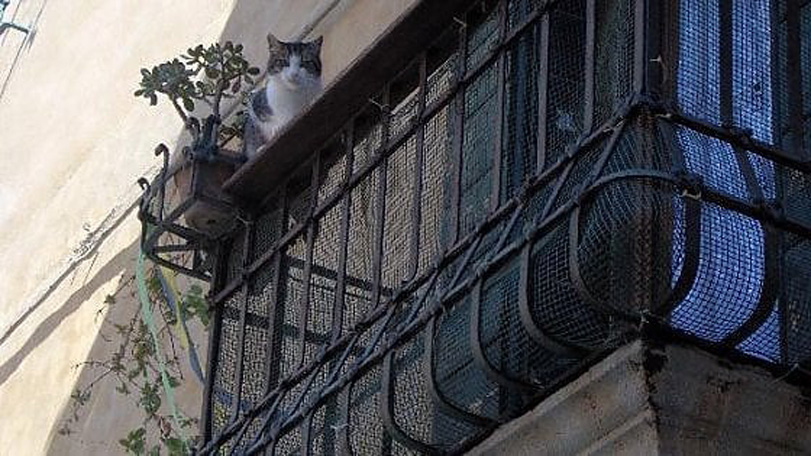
521	187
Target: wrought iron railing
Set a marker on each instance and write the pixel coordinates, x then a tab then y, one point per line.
183	210
544	182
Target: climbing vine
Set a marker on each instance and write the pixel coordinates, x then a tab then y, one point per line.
134	364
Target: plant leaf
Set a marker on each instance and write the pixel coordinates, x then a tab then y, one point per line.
188	104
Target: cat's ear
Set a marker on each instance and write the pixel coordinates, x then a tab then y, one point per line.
316	43
273	42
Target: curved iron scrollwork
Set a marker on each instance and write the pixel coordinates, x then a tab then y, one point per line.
432	272
183	211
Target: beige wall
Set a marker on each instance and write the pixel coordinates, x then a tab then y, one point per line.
74	141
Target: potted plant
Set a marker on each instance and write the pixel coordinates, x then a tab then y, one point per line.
198	82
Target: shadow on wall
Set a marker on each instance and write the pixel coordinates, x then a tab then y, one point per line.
108	415
90	431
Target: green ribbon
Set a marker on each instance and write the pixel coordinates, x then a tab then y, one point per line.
146	314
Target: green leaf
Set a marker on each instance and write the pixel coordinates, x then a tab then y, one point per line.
212	73
153	99
188	104
175	446
135	442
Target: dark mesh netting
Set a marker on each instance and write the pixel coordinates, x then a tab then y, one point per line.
360	247
434	230
464	386
289	309
624	245
225	385
481	107
565	81
268	231
555	305
332	171
299	198
398	230
519	157
322	282
496	219
613	57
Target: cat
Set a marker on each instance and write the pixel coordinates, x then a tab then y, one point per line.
293	82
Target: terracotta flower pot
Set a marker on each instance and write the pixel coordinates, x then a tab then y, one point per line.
210	211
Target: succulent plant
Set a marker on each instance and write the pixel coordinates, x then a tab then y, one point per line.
204	75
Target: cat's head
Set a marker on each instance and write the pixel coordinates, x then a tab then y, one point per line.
297	65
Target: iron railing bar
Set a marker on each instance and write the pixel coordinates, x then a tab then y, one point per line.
181	269
574	227
429	285
340	284
738	138
386	410
168	223
713	196
480	358
543	88
267	429
458	113
306	429
692	258
656	55
794	70
558	183
312	233
578	283
508	227
271	370
296	413
437	396
725	30
588	98
176	248
275	311
243	314
748	172
640	41
497	152
416	201
525	313
769	293
213	348
162	188
380	214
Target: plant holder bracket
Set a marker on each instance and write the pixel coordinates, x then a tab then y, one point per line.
182	236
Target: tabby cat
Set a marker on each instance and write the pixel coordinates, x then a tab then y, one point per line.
293	81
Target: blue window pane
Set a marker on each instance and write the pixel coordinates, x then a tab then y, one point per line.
731	268
698	76
752	67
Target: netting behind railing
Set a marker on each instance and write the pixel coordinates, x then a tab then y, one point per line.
517	202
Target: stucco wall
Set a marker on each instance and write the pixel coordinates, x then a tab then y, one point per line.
74	141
